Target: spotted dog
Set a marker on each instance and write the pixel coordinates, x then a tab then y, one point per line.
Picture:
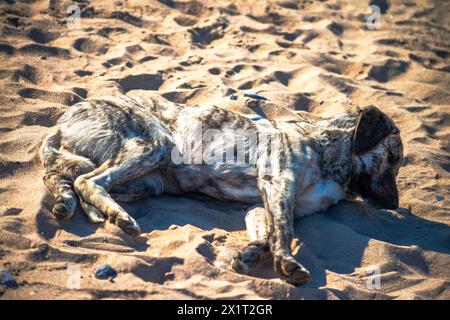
115	149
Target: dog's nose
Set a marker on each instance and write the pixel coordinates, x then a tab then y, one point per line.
394	203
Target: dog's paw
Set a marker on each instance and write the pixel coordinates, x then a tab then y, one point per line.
239	265
245	261
127	224
290	270
65	205
92	213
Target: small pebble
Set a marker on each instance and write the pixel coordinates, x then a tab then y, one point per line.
7	279
439	197
105	272
255	117
254	96
233	97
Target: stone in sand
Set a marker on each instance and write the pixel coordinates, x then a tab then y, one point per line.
104	272
7	279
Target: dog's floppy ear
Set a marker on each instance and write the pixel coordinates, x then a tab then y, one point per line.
372	126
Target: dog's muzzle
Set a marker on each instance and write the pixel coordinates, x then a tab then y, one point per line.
382	193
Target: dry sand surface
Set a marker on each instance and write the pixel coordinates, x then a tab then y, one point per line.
312	56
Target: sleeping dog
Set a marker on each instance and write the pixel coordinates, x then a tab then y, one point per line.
122	149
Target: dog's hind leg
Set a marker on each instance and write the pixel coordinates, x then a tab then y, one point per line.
131	163
92	189
128	192
258	247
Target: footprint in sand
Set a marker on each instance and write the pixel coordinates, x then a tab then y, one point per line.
269	18
247	85
310	36
7	49
293	5
342	84
27	73
160	39
107	31
113	62
91	45
185	21
148	269
387	70
46	117
214	71
141	81
206	34
11	212
83	73
336	28
66	98
382	4
127	18
193	8
44	51
41	36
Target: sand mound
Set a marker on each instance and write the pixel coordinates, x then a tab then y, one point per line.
313	57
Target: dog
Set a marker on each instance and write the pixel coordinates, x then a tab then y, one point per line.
119	148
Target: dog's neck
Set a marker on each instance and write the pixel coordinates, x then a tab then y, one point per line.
335	151
332	139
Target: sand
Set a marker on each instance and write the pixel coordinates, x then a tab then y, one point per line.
306	56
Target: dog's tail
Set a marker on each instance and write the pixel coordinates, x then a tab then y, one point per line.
66	163
49	149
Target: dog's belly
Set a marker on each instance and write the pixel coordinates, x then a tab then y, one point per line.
247	193
319	197
224	182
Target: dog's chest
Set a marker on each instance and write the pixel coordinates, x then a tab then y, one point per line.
318	197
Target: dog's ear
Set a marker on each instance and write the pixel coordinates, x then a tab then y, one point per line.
372	126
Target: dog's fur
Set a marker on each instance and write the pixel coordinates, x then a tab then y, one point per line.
122	148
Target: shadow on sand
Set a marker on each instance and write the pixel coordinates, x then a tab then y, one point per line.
333	241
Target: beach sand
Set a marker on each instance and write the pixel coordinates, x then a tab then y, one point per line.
306	56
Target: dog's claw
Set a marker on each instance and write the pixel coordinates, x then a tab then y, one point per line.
128	224
291	271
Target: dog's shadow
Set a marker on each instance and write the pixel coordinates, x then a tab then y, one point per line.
338	239
157	213
334	241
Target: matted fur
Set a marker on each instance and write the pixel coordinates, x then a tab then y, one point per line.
122	148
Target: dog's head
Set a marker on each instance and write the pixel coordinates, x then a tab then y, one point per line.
378	156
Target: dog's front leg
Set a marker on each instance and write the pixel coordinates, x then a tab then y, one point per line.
278	194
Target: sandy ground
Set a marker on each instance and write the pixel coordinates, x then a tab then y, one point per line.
311	56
